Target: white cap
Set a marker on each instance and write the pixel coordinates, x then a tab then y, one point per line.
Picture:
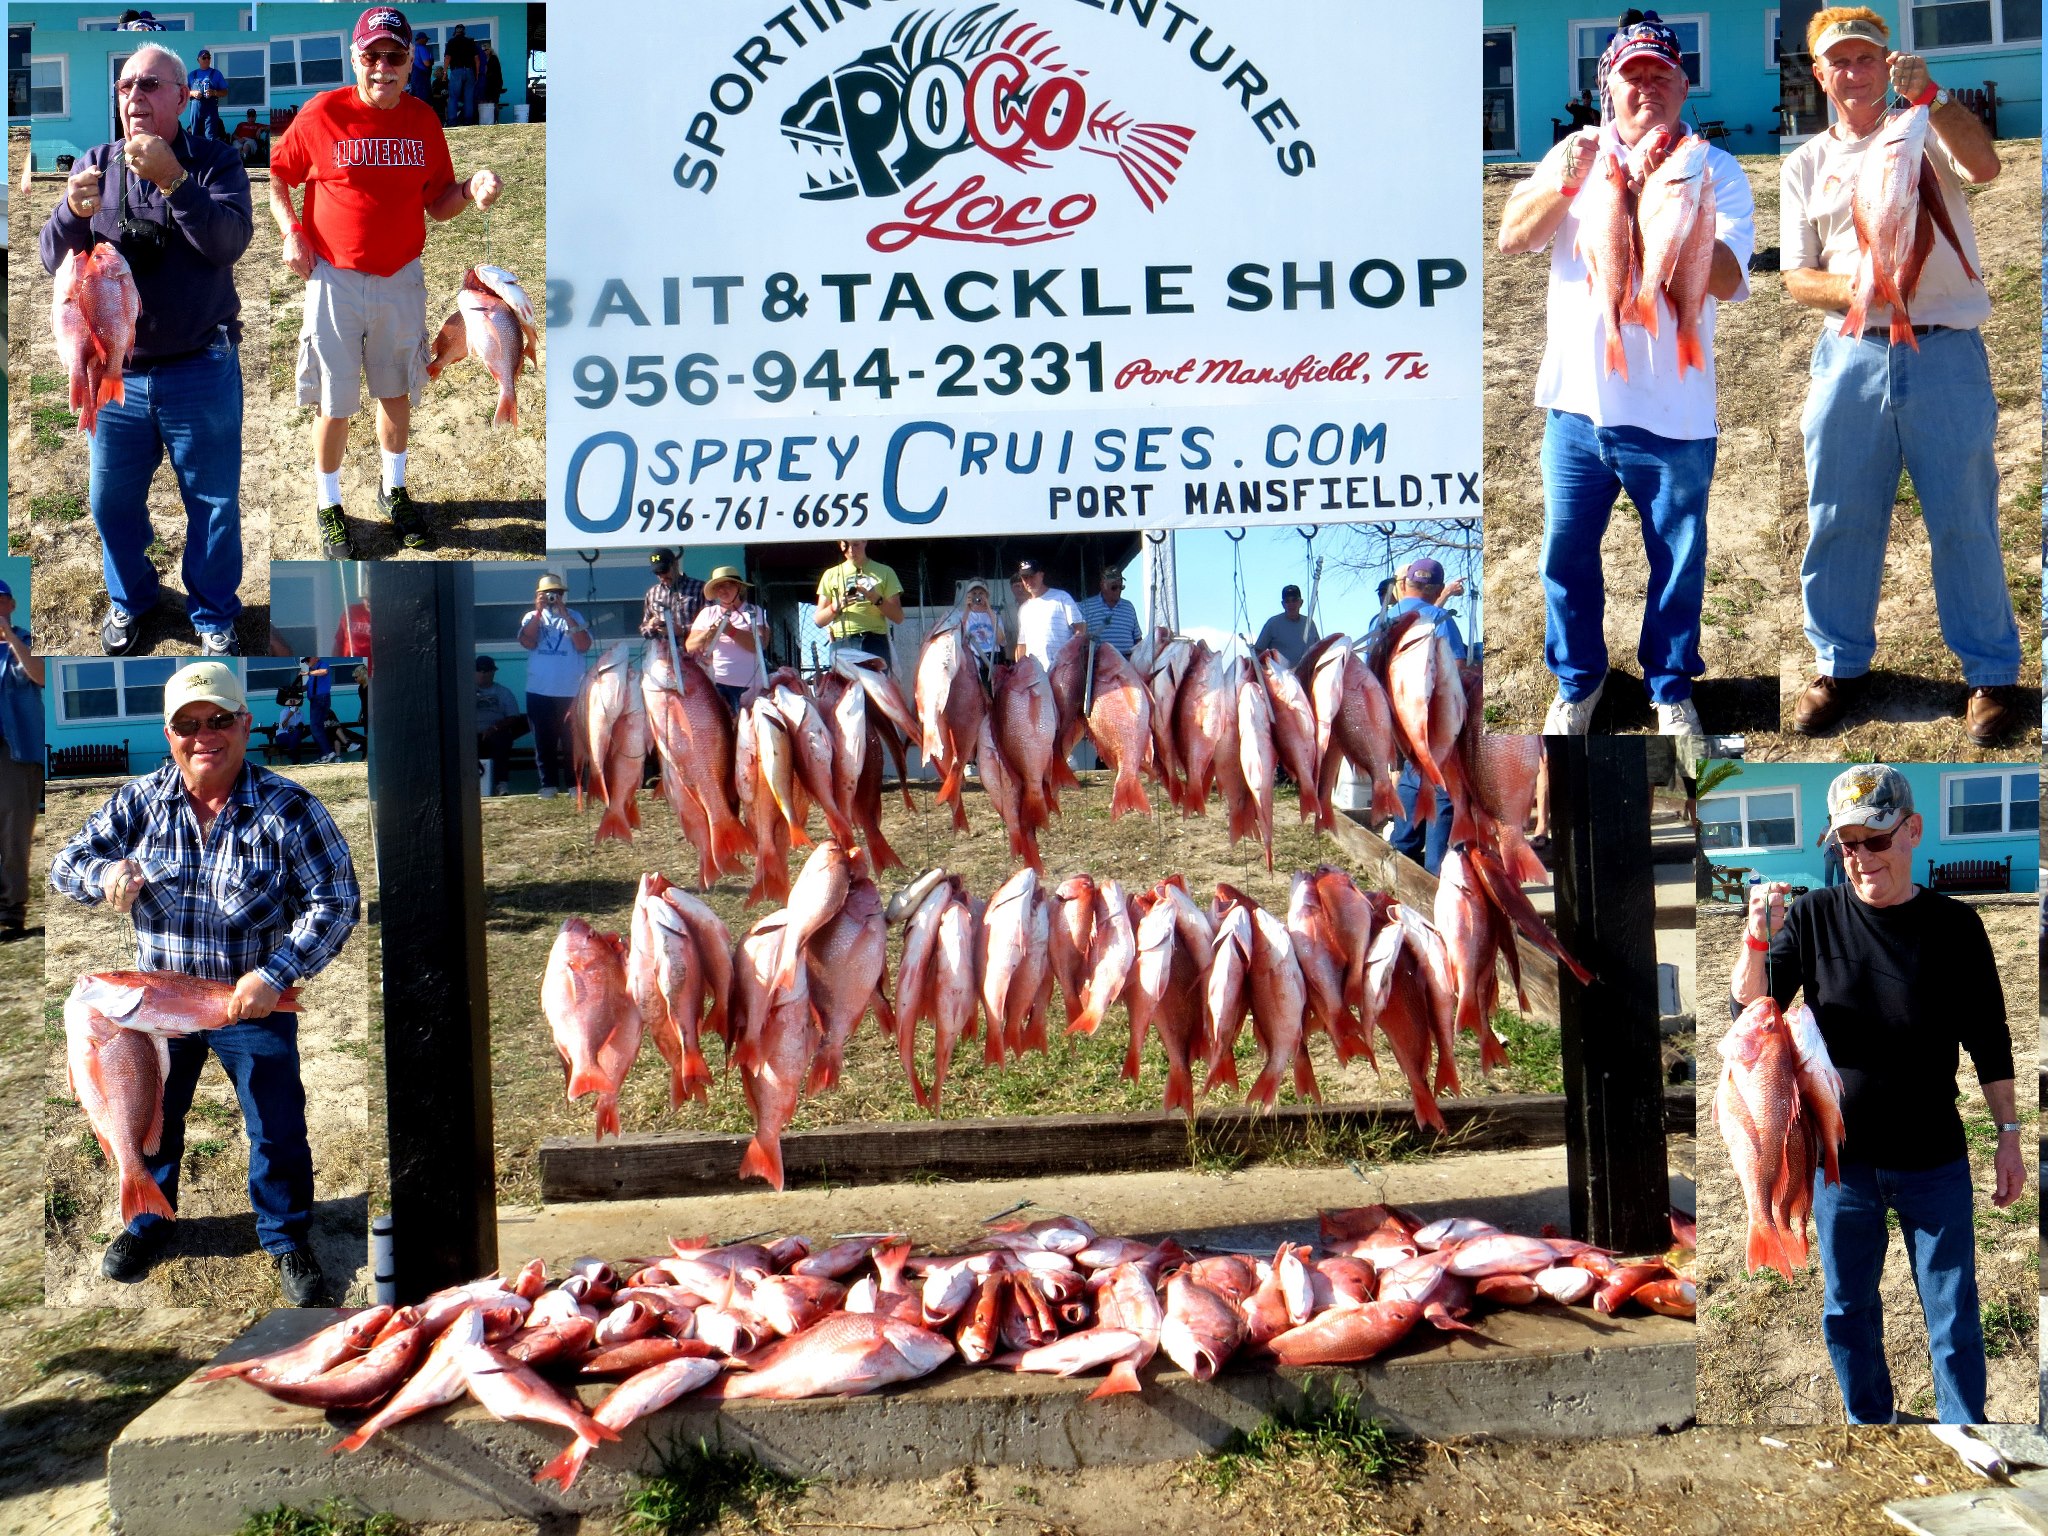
1856	29
204	682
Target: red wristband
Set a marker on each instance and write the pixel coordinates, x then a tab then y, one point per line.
1927	96
1751	940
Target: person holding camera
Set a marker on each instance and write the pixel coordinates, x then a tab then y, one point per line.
177	207
858	599
726	636
557	637
671	604
209	88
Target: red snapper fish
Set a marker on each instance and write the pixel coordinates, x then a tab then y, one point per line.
1606	211
493	322
93	305
117	1076
165	1002
1895	224
1676	216
590	1010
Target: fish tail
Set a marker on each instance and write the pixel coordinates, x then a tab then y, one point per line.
1690	353
508	415
1123	1377
992	1043
613	824
607	1116
1902	328
140	1195
1305	1086
1180	1089
287	1001
1086	1022
1426	1111
1646	308
113	389
1222	1069
824	1072
563	1468
1266	1088
695	1078
763	1160
1129	796
586	1079
1617	354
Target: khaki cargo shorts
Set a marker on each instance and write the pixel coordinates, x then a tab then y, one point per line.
358	325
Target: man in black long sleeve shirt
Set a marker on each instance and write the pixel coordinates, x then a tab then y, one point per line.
1900	980
184	382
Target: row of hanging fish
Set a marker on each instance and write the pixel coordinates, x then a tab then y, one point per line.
788	995
790	1320
1646	231
493	322
1779	1109
118	1026
1897	205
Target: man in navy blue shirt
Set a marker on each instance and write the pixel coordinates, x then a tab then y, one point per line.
1110	616
177	207
21	765
209	89
1422	590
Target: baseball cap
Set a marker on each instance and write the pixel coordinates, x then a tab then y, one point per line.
1424	573
1873	795
485	664
1028	568
204	682
550	582
1860	29
1641	35
382	21
6	590
662	559
1290	590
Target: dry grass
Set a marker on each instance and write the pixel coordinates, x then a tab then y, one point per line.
1762	1360
49	518
216	1263
539	867
21	1171
482	488
1745	601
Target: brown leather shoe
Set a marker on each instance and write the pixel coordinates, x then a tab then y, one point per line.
1989	715
1824	702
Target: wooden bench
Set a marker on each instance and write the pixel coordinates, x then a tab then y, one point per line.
1730	882
1972	875
91	760
1984	103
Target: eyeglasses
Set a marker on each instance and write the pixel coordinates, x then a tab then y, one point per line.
1880	844
390	58
147	85
1114	586
216	722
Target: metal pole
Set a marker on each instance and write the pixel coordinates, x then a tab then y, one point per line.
429	833
1613	1068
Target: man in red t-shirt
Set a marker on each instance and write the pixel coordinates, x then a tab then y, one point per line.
375	166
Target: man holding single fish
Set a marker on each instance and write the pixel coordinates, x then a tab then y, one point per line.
1628	365
1895	383
231	873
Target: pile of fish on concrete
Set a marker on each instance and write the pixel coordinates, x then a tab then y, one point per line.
1645	231
93	309
787	997
493	322
1779	1107
787	1320
117	1031
1897	206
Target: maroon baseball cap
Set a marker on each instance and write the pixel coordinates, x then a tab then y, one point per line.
383	21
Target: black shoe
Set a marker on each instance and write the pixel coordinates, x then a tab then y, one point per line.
9	932
335	541
299	1277
411	523
117	632
129	1257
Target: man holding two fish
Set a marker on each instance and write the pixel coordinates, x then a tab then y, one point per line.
1628	370
1895	388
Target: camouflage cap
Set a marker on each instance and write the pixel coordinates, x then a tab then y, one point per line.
1873	795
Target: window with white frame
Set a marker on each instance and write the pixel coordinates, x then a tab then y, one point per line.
1751	821
242	68
49	86
1996	804
314	62
504	597
1497	91
1946	24
1589	39
1771	38
167	21
479	29
125	689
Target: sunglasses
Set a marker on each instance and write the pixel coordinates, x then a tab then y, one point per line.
1880	844
390	58
220	720
147	85
1115	586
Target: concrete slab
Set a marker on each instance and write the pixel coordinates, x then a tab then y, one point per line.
202	1456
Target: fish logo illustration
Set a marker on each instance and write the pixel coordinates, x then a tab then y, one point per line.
947	85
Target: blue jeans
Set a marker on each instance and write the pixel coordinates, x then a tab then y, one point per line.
317	715
261	1058
1870	408
1425	845
1936	1221
548	716
206	123
461	96
193	410
1584	469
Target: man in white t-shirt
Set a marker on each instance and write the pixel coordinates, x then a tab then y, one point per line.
1873	404
1649	430
1045	619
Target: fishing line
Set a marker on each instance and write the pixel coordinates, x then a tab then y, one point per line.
1243	613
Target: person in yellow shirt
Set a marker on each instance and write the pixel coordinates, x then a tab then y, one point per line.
858	599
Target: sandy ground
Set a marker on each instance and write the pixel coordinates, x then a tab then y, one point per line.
1762	1360
1745	598
50	460
21	1084
540	866
482	487
215	1262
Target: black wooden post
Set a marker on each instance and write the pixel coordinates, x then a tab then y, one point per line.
1606	916
437	1054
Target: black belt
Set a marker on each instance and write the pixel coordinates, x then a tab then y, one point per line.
1883	332
146	364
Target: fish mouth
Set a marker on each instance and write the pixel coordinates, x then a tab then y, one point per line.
827	169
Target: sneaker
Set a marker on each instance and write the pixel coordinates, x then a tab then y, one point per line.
10	931
219	642
499	789
1680	719
547	791
299	1277
129	1257
1571	717
332	757
1989	715
117	632
336	543
1824	702
411	523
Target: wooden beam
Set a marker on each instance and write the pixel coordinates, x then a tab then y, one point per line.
655	1166
1415	886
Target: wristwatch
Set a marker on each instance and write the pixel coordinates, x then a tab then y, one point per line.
1941	98
183	177
2014	1127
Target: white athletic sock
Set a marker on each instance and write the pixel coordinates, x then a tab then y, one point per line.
394	468
328	487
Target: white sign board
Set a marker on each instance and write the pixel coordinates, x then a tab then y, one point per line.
958	269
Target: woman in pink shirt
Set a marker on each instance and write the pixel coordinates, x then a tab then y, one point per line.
725	637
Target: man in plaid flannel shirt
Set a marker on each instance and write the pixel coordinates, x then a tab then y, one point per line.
673	595
232	873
